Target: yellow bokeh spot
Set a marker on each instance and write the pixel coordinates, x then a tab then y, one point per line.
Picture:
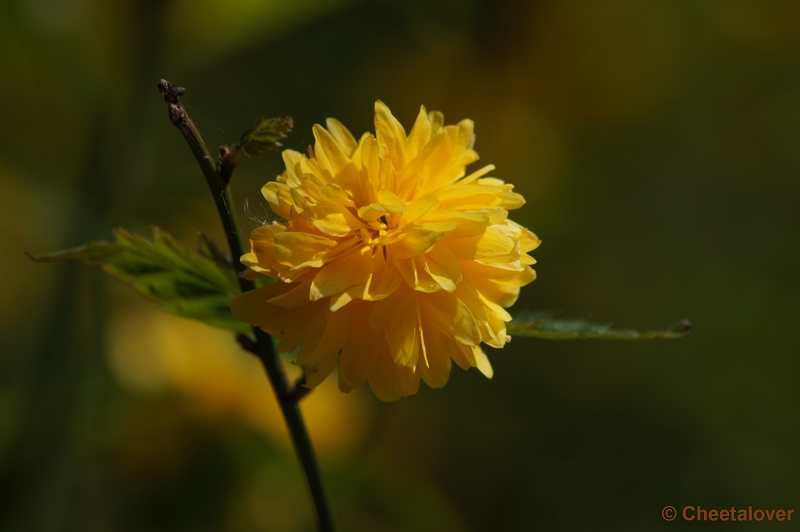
152	351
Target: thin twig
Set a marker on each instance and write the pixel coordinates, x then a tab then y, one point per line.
180	119
287	394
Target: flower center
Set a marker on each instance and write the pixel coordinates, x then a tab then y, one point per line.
380	232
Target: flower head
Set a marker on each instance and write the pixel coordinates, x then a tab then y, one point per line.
389	260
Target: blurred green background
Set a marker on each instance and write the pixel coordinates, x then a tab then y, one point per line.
657	144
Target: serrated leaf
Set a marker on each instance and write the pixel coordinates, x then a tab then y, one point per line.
265	137
547	325
195	285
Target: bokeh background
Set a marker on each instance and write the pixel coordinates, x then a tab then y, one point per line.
657	144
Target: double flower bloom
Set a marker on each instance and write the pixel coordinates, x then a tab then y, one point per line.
390	262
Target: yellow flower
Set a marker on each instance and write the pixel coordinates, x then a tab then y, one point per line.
390	261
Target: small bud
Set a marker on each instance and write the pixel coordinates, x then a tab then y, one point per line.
229	158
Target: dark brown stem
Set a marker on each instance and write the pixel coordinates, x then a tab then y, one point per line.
287	394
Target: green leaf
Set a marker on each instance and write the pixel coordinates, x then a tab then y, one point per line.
265	137
547	325
193	284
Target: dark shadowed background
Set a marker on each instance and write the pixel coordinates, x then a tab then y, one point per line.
657	144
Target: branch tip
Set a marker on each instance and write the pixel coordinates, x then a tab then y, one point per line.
170	93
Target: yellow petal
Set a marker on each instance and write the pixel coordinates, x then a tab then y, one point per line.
464	356
284	324
401	335
463	196
344	272
425	281
357	291
478	270
434	158
391	135
437	120
528	241
355	185
451	316
387	176
298	201
310	169
489	316
466	135
442	266
327	344
492	243
483	362
292	160
447	164
343	386
511	200
419	207
333	219
386	310
266	233
318	370
261	240
414	274
418	241
387	197
328	151
279	198
372	212
246	307
344	247
391	382
296	297
367	156
467	294
308	189
494	332
495	310
502	290
420	134
294	248
359	357
477	174
442	227
342	135
385	278
468	224
334	193
509	261
439	349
